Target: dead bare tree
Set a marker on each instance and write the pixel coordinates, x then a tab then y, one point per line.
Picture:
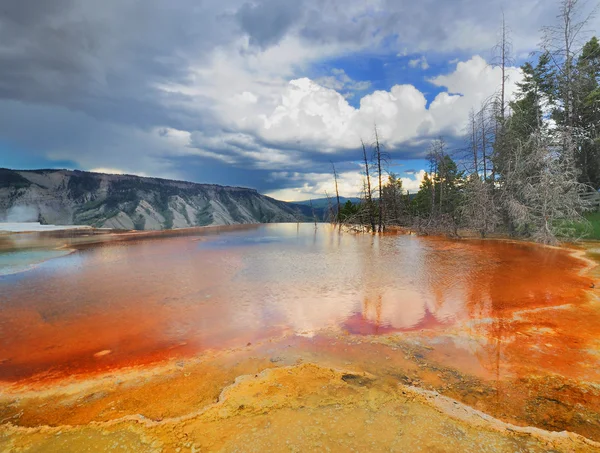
474	140
369	193
484	142
498	104
379	158
486	125
337	193
544	200
503	59
478	207
563	41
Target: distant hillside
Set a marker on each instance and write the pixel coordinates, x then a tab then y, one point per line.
323	203
64	197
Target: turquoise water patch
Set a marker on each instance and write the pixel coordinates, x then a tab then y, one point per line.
24	260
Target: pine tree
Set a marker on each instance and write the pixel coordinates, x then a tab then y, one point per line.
587	113
422	202
393	200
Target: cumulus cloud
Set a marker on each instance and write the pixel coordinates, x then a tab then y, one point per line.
312	115
304	116
412	182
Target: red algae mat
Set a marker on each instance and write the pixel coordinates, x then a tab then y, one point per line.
160	326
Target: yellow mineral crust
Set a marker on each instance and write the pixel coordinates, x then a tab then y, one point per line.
304	407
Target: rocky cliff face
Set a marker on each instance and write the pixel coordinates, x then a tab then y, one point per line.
64	197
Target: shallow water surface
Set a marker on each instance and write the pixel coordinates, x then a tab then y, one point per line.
131	302
12	262
511	329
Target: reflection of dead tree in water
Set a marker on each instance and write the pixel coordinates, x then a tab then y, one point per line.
378	306
483	299
496	333
314	215
330	213
499	336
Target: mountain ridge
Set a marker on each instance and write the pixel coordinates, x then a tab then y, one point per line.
67	197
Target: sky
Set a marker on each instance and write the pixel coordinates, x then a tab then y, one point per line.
262	94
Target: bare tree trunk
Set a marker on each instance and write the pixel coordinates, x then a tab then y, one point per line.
378	156
500	130
441	197
369	194
396	208
561	42
503	45
496	143
568	10
442	173
483	144
337	193
433	170
503	60
474	141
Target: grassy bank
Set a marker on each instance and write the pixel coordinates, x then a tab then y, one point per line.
594	219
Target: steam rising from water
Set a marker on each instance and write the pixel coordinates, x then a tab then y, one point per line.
21	214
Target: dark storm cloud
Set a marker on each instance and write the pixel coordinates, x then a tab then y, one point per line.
103	58
76	52
42	58
268	21
301	157
28	12
458	25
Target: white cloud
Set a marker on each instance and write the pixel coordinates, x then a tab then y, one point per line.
412	183
316	185
419	62
109	171
175	137
313	115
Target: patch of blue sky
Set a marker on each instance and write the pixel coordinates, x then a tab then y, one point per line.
383	71
407	168
14	157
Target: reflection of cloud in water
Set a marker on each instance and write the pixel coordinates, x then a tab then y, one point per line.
396	308
306	314
400	308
